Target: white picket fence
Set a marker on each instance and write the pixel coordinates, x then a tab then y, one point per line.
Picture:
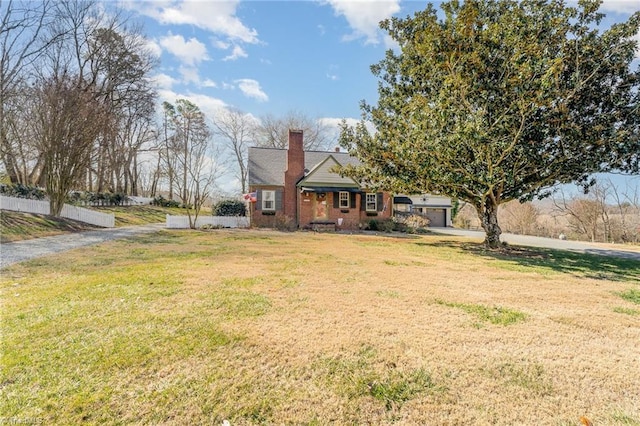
92	217
182	222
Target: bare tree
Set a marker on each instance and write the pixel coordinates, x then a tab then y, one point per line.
519	218
237	129
273	131
587	215
189	145
626	207
67	119
110	55
22	42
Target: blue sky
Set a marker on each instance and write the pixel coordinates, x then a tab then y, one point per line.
276	56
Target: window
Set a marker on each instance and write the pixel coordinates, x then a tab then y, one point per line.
268	200
371	202
344	200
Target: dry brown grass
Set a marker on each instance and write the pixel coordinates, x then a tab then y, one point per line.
301	328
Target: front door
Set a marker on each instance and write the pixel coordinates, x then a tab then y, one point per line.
320	211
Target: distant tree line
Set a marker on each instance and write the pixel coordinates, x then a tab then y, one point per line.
607	213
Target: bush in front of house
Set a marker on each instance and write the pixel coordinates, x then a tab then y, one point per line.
383	225
284	223
229	208
411	225
415	223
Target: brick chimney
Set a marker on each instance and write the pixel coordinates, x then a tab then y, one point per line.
293	173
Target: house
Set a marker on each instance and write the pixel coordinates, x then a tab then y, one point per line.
299	187
436	208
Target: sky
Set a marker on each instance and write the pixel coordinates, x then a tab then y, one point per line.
272	57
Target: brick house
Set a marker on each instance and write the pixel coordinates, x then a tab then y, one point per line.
299	187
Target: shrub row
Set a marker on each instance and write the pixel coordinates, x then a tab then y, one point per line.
97	198
19	190
229	208
411	225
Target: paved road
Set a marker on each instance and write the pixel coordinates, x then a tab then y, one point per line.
20	251
526	240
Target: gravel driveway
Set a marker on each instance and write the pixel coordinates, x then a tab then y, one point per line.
526	240
20	251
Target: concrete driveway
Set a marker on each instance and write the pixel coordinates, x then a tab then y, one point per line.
526	240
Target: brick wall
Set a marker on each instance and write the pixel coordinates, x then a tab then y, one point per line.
351	218
294	171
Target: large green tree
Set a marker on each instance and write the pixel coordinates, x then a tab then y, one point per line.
500	100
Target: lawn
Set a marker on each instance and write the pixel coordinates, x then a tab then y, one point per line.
261	327
16	226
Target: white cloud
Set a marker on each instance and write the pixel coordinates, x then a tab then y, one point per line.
620	6
153	47
221	44
209	83
334	125
237	52
192	75
390	43
218	17
163	81
251	89
189	75
364	16
209	105
190	51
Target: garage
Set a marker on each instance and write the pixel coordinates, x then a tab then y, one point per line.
437	217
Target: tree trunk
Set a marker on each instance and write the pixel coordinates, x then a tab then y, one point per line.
488	214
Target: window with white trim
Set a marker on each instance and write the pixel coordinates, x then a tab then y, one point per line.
371	202
268	200
344	200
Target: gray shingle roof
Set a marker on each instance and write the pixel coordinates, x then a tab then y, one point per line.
267	165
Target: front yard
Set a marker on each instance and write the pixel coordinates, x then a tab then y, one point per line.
261	327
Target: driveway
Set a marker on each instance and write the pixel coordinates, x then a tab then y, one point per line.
526	240
20	251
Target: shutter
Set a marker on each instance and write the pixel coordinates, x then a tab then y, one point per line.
278	200
258	202
352	200
380	201
336	200
363	201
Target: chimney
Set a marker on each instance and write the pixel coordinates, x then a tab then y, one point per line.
337	149
293	173
295	154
